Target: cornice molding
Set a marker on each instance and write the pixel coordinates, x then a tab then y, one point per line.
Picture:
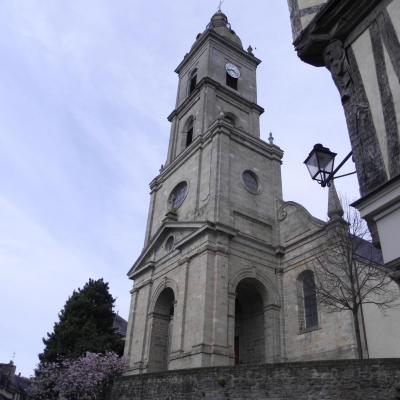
210	34
206	81
387	187
335	21
220	126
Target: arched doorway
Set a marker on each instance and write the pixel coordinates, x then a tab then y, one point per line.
249	322
161	331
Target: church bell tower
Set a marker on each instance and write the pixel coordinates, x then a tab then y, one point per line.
206	285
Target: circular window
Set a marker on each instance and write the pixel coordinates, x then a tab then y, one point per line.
178	195
169	244
250	181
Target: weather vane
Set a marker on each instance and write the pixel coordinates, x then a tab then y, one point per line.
220	4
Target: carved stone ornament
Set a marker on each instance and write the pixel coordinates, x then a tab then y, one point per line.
336	61
282	213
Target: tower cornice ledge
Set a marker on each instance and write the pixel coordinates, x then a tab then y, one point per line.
210	34
335	21
223	89
272	152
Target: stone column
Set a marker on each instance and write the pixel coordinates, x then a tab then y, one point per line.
180	312
131	323
231	325
220	300
171	335
272	333
147	328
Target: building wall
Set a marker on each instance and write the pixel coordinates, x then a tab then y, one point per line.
332	339
373	57
199	61
204	272
210	58
213	170
205	275
204	286
190	170
305	239
383	329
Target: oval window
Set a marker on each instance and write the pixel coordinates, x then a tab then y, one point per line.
250	180
178	195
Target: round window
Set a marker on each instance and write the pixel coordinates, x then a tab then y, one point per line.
169	244
250	180
178	195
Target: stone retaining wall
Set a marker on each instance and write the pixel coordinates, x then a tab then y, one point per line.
325	380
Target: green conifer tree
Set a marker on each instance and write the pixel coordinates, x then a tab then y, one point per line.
85	324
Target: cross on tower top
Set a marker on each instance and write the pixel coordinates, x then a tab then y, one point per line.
220	4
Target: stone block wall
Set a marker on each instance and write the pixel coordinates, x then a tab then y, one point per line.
326	380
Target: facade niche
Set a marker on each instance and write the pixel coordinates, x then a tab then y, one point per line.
161	331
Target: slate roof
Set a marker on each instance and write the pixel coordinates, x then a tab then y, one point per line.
365	249
120	325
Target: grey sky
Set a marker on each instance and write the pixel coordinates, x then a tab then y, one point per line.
85	89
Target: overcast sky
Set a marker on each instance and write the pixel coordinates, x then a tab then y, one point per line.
85	89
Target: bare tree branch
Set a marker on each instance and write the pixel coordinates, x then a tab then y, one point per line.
349	274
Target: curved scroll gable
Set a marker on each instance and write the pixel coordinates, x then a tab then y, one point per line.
296	222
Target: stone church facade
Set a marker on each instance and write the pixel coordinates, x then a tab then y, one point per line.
226	273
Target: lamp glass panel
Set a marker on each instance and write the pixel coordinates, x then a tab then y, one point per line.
312	165
326	161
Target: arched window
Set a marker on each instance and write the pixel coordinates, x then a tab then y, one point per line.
307	301
192	81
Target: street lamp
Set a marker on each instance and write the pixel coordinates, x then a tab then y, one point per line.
320	163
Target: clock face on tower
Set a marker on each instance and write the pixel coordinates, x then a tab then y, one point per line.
232	70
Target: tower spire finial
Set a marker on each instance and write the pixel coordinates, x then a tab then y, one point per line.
335	209
220	4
